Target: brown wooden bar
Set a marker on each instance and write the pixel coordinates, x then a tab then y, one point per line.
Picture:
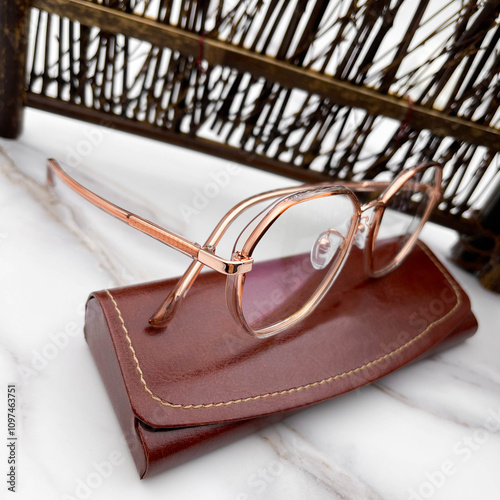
479	251
13	32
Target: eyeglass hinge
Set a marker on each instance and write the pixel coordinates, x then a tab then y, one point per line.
239	265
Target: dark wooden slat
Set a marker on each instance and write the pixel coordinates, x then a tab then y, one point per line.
13	20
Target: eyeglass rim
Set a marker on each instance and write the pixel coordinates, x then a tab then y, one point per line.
235	284
385	198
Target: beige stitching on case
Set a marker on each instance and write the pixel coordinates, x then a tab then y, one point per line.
302	387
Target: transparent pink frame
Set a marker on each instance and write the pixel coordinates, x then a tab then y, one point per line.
242	261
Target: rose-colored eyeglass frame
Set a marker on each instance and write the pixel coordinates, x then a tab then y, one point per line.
242	261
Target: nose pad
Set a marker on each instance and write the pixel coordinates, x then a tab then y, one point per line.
360	238
363	229
326	246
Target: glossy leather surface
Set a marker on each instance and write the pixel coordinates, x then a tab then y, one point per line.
203	369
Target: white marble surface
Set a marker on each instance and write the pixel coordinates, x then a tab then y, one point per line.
381	442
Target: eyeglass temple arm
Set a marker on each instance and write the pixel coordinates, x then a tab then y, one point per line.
203	255
365	186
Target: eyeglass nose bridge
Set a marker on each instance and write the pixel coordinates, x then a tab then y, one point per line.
366	222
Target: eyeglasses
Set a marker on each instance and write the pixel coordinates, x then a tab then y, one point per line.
287	257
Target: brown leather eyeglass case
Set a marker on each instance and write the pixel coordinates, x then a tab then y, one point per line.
202	382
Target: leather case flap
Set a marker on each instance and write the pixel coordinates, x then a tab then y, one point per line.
202	368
